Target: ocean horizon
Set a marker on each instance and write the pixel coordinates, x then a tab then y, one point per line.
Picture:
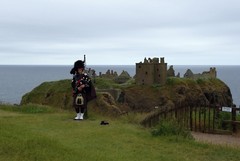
17	80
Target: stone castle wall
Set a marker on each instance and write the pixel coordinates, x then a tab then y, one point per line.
151	71
212	73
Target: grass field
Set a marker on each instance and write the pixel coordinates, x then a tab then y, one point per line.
35	133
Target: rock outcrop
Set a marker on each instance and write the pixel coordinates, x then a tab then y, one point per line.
177	92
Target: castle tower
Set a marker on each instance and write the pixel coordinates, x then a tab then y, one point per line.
161	72
213	72
151	72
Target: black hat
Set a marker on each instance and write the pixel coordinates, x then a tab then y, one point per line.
77	64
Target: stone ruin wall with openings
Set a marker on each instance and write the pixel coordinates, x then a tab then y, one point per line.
151	71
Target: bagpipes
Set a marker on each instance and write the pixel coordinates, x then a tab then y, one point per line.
89	89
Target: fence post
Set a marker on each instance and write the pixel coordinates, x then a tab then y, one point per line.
195	119
204	118
199	118
209	118
190	119
214	117
234	113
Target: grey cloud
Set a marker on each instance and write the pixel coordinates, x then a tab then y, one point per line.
144	27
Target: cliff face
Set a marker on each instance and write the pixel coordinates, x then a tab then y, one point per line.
57	94
176	93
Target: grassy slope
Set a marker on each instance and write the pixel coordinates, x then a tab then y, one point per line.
178	90
54	136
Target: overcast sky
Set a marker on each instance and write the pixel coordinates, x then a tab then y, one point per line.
115	32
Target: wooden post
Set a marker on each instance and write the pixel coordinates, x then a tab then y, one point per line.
186	116
234	113
214	116
209	117
195	119
204	119
199	118
190	119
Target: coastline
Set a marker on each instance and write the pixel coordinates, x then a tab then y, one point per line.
12	90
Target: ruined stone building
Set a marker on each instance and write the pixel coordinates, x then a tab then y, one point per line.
109	74
170	72
212	73
151	71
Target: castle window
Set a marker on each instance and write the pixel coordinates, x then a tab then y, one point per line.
139	66
146	73
159	75
157	69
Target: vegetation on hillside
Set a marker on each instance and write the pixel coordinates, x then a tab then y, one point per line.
42	128
40	134
119	99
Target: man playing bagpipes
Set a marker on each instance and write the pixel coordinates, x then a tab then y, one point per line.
83	89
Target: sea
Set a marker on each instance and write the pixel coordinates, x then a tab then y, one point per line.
17	80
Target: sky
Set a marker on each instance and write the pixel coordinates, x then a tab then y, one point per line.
119	32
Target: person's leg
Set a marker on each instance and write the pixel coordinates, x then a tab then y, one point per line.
82	112
77	109
83	107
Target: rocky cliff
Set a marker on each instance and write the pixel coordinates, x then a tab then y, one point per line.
179	92
176	93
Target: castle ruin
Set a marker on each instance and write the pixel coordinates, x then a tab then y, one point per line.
151	71
212	73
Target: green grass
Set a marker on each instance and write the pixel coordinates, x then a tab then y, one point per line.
42	135
29	108
105	83
171	81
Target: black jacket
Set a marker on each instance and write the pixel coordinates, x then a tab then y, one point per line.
83	79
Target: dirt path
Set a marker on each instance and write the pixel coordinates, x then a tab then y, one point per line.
228	140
